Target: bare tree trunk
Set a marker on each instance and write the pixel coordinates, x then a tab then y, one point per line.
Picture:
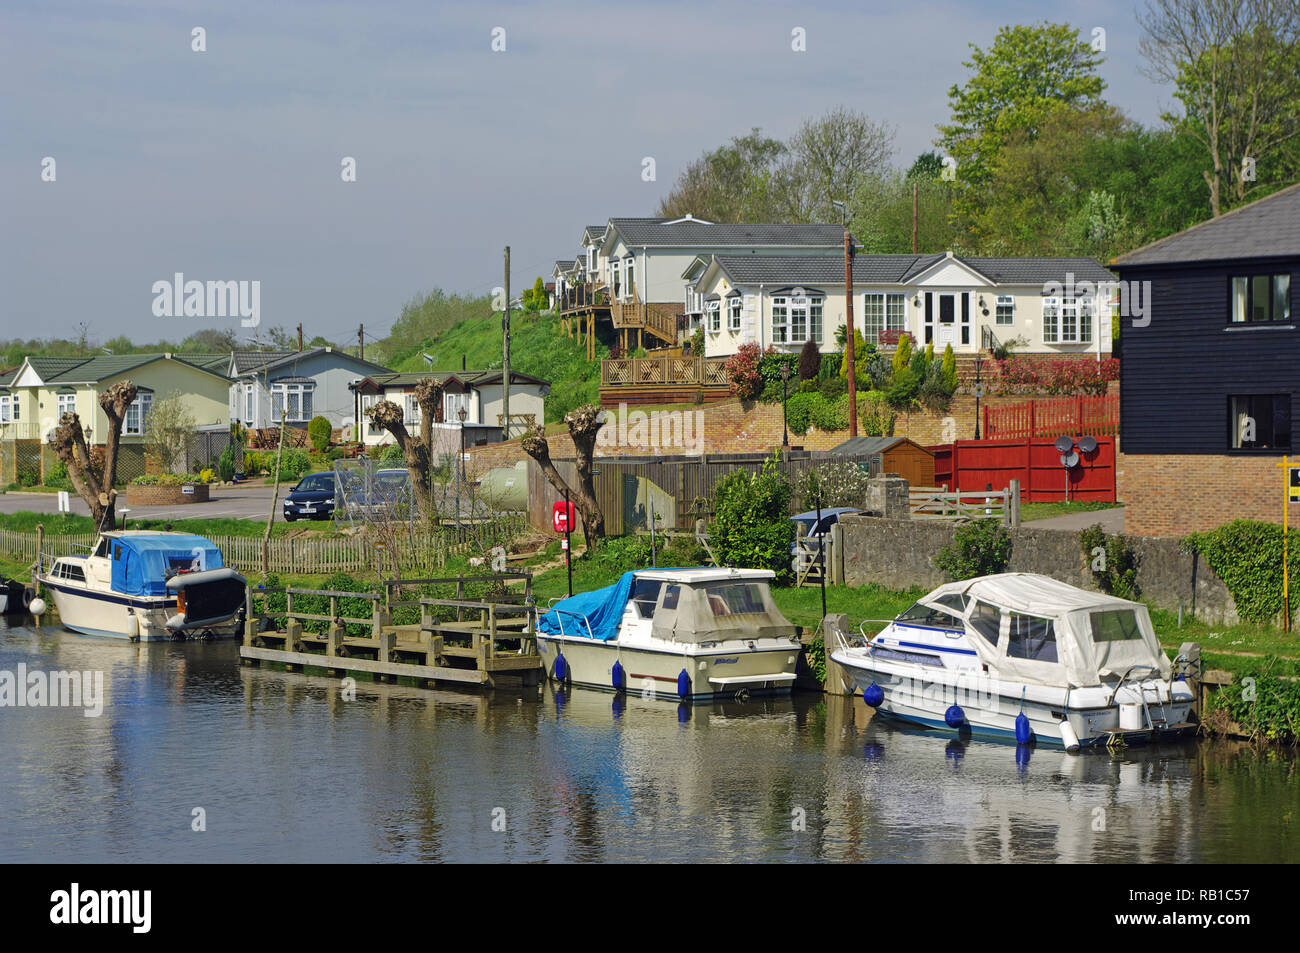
418	451
584	424
69	443
275	492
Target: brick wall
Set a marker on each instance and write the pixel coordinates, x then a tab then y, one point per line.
1177	494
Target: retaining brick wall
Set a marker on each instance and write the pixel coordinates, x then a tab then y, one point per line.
900	553
164	495
1177	494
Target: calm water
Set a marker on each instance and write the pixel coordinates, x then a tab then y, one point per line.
285	769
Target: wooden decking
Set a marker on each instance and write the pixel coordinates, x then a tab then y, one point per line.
484	641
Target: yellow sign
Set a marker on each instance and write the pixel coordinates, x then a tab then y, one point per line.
1293	484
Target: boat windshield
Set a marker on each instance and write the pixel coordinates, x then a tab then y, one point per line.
939	616
645	595
730	598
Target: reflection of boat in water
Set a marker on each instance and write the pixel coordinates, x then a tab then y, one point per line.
1021	655
145	586
13	596
691	633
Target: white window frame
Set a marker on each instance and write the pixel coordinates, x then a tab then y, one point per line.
734	310
139	409
66	403
807	313
297	411
10	408
1008	302
451	405
713	312
629	279
1067	320
1051	320
411	412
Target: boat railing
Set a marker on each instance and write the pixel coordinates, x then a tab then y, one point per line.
1146	671
561	613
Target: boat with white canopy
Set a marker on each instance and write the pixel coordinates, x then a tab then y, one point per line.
690	633
1022	656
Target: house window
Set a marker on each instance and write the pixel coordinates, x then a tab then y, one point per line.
67	404
1260	422
1067	320
1006	310
410	410
629	271
451	405
248	405
796	320
293	401
715	315
1257	298
733	313
615	281
882	312
136	415
368	401
10	408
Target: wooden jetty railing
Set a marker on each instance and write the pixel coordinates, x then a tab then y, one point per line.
484	640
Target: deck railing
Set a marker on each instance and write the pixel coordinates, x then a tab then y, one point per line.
673	370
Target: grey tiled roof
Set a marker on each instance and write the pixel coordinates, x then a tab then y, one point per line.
900	269
1265	228
476	378
657	232
595	231
247	360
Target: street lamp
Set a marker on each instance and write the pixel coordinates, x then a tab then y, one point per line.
785	420
848	319
460	471
979	392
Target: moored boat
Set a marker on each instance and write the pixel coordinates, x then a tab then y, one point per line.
693	634
146	586
1026	657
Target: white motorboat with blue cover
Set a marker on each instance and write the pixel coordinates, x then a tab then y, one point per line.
695	634
146	586
1022	656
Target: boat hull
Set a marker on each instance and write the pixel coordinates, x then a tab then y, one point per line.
651	672
991	708
116	616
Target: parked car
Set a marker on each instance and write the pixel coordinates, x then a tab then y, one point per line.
313	498
814	532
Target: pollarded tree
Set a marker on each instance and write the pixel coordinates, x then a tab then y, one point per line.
416	450
584	424
68	440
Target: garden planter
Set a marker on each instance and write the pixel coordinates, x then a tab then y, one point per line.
166	495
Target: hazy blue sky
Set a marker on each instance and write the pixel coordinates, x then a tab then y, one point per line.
225	165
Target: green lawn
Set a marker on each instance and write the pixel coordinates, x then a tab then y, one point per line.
1042	511
60	524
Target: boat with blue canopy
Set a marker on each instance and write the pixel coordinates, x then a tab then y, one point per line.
146	586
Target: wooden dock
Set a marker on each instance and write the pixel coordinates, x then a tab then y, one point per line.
484	641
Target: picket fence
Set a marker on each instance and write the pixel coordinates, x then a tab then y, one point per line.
285	555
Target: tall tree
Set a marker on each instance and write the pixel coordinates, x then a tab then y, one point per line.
733	183
1235	65
826	158
95	485
1018	85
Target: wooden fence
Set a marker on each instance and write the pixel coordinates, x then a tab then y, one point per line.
663	369
975	465
1096	416
321	555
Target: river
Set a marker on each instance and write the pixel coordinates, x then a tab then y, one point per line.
278	766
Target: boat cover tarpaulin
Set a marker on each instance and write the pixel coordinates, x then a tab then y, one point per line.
1086	651
141	562
602	609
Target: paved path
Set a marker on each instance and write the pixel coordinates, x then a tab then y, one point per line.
1111	520
251	502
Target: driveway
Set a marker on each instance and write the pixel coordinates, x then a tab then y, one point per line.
226	502
1112	521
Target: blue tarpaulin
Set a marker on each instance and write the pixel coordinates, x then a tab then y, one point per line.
603	609
142	562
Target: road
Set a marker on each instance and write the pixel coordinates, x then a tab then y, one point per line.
1111	520
240	502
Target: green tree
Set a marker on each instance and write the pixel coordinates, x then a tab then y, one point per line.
170	430
751	525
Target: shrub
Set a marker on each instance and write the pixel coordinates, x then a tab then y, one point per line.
1114	568
769	368
226	462
934	392
877	417
391	453
830	415
1247	556
902	355
57	478
903	389
861	354
28	474
877	370
830	366
949	369
979	548
840	483
319	432
798	412
294	465
743	370
1271	711
751	525
810	360
833	387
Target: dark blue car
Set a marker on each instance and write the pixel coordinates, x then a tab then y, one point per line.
312	498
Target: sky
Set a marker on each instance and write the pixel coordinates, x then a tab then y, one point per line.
227	164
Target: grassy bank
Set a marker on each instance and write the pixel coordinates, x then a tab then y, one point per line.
62	524
1042	511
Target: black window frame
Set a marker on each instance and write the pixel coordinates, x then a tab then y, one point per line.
1249	278
1288	402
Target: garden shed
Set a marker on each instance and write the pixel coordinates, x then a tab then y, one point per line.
898	455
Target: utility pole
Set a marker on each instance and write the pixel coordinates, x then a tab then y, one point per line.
848	327
914	217
300	337
361	342
505	358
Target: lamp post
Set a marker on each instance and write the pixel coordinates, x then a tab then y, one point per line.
848	320
979	392
785	420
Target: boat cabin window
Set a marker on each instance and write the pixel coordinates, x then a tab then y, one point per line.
733	597
645	596
987	621
955	601
101	548
672	593
1115	625
929	615
70	571
1031	638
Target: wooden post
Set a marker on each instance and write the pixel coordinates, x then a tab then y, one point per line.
1013	504
837	554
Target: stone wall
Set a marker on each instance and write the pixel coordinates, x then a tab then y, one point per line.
899	554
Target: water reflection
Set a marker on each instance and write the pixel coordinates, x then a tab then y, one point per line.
287	767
